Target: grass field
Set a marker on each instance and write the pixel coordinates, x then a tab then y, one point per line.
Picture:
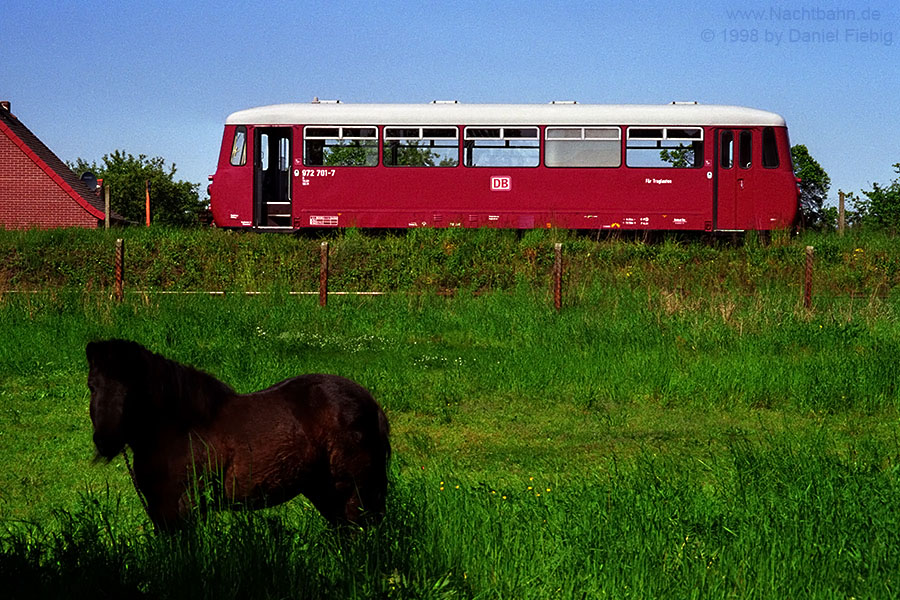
683	428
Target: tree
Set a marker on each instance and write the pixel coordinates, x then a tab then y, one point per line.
881	206
682	157
171	202
814	185
410	154
351	153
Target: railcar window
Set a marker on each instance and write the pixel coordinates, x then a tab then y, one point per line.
340	146
727	153
583	147
647	133
565	133
684	134
421	146
239	147
672	147
284	154
770	148
502	147
746	149
264	151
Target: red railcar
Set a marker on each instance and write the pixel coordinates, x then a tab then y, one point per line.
680	166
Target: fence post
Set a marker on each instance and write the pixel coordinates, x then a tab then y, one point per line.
120	268
557	276
323	275
807	287
106	206
841	218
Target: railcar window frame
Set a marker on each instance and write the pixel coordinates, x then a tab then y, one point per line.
284	154
239	147
726	159
770	158
263	150
579	146
745	149
440	141
362	137
521	143
653	143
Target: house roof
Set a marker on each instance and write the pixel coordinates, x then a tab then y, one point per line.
51	164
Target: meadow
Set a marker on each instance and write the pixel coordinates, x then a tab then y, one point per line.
684	427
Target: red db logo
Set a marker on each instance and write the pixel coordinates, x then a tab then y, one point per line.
501	183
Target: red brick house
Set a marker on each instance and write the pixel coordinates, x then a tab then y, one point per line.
37	189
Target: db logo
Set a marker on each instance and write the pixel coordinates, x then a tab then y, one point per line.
501	183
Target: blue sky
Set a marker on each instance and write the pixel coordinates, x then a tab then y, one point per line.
159	78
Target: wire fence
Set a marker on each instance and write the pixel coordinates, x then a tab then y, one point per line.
324	292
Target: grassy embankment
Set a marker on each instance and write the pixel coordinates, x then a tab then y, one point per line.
683	427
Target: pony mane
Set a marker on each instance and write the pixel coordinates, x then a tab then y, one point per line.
190	395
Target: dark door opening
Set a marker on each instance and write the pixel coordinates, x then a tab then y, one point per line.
272	178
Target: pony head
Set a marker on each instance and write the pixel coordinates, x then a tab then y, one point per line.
110	380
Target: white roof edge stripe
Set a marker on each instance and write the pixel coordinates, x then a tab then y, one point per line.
503	114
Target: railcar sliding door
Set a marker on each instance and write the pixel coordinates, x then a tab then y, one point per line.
734	208
272	178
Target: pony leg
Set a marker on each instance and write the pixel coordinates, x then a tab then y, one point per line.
361	496
367	503
168	507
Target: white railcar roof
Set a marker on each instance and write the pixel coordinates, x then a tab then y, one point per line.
503	114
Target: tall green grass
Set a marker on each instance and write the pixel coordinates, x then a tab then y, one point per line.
682	428
788	518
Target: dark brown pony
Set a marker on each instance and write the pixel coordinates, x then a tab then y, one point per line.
193	437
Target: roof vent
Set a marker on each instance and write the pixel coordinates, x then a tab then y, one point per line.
564	102
317	101
445	101
683	103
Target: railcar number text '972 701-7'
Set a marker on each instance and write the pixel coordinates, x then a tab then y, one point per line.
679	166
